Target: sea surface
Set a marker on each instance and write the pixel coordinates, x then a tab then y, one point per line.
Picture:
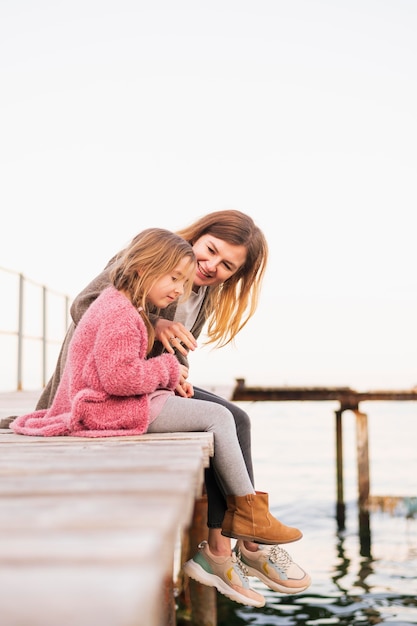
353	582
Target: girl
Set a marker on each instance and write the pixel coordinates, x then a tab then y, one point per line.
231	254
108	387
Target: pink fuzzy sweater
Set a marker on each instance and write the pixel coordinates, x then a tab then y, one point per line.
105	387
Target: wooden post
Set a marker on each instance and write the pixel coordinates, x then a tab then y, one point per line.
199	600
340	505
169	608
363	481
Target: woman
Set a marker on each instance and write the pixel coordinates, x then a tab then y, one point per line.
231	254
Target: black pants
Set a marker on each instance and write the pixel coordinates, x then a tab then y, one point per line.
216	499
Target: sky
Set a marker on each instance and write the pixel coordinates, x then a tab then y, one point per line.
118	115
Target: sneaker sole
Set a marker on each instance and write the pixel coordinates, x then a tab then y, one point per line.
196	572
273	585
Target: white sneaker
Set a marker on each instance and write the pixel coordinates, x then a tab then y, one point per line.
274	566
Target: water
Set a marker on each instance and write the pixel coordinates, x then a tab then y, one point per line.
294	458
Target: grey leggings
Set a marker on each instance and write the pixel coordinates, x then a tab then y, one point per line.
216	500
188	414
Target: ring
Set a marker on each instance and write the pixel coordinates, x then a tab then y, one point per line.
171	339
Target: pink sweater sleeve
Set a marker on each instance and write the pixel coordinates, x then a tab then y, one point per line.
118	360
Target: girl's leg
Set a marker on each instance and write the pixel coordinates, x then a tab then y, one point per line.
188	414
219	544
215	564
247	516
185	414
216	501
242	421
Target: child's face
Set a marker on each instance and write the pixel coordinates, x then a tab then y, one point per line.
170	287
217	260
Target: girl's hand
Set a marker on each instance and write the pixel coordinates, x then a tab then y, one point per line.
174	335
184	388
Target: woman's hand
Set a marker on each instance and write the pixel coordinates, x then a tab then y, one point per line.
174	335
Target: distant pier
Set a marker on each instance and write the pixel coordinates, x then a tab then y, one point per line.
349	400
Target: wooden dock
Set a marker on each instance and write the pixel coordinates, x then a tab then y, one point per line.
91	529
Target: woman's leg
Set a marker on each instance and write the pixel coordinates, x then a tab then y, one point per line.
188	414
216	500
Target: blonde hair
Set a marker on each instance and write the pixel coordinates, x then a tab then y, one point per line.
230	306
153	253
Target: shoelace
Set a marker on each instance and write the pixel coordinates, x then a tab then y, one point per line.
241	566
280	556
236	559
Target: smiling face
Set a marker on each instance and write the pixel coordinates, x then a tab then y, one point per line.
217	260
171	286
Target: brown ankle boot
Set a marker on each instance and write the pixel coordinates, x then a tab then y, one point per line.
248	518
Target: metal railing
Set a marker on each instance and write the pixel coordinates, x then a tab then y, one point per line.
33	323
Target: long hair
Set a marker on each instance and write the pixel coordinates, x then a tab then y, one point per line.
230	306
153	253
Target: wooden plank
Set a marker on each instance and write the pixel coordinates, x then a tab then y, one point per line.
18	402
57	539
79	458
121	483
81	595
109	546
203	440
161	510
123	456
